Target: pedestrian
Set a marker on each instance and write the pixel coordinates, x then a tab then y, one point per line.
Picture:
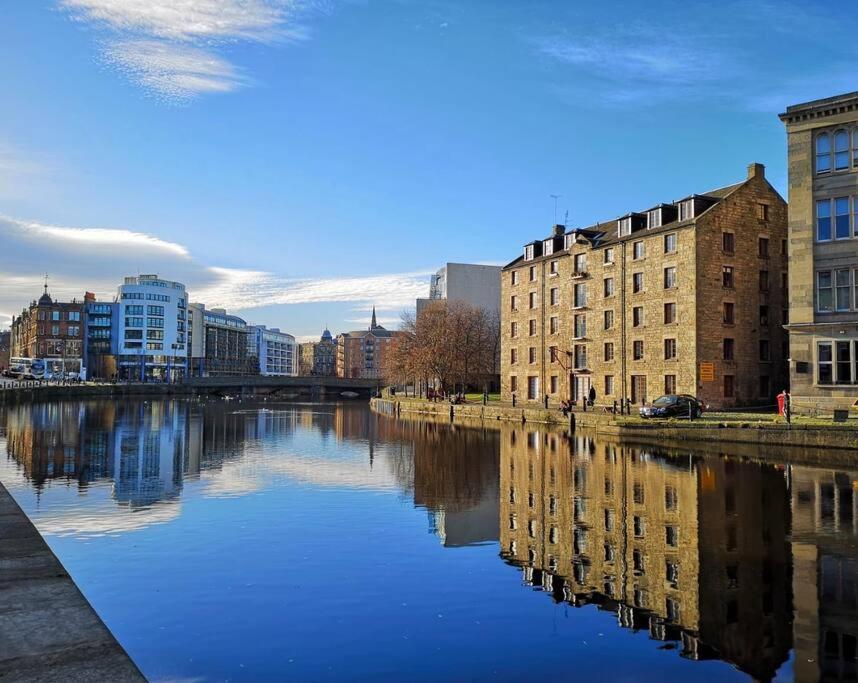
787	406
592	395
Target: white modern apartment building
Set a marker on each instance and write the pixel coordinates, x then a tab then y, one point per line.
151	343
277	351
476	285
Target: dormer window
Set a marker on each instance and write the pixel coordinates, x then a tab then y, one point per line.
568	241
624	226
528	252
548	247
686	210
653	218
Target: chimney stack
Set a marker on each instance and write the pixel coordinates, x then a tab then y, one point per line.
559	230
755	170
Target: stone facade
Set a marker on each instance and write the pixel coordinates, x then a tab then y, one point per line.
318	358
641	306
51	330
823	245
360	354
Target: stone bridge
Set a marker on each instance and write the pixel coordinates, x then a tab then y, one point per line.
315	386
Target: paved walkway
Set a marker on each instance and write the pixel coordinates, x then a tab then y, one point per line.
48	630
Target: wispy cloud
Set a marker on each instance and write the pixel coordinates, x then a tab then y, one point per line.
170	47
96	260
714	53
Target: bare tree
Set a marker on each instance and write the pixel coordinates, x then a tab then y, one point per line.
450	343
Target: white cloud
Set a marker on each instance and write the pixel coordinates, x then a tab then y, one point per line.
96	260
169	46
102	237
176	72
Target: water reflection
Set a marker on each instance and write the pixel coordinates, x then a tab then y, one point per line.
713	557
146	450
692	550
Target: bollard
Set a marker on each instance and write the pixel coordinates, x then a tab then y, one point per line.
451	412
614	409
571	422
545	401
584	404
513	400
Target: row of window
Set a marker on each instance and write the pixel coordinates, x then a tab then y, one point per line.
728	384
670	348
150	310
638	319
669	244
150	322
71	316
834	151
837	290
149	297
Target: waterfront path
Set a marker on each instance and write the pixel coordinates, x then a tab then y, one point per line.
713	427
48	630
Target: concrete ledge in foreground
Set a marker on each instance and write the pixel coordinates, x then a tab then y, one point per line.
48	630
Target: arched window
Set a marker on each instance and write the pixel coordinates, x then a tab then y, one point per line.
823	153
841	150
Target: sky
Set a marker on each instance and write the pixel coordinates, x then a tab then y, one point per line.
301	161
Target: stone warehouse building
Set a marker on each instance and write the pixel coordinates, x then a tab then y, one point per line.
823	245
687	297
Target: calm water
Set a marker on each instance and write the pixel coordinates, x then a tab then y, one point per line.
319	542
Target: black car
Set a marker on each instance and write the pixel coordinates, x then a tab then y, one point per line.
672	405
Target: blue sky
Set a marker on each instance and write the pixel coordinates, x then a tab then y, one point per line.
300	162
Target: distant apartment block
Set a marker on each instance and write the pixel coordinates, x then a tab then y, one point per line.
276	352
219	344
101	321
476	285
361	353
319	358
687	297
823	247
152	329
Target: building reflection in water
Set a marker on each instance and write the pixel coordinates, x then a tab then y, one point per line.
693	550
713	556
148	449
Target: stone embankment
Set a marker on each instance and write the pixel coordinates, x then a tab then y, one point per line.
48	630
601	422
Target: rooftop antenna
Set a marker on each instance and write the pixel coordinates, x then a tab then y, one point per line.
46	283
555	197
566	218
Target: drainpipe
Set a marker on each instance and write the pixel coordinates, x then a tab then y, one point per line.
624	382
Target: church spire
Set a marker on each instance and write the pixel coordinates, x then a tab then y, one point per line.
374	323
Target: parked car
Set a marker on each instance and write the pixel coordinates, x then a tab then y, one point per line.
682	405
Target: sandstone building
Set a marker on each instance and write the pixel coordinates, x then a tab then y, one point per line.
823	246
51	330
687	297
360	354
318	358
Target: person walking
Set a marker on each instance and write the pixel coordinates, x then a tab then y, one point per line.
592	395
